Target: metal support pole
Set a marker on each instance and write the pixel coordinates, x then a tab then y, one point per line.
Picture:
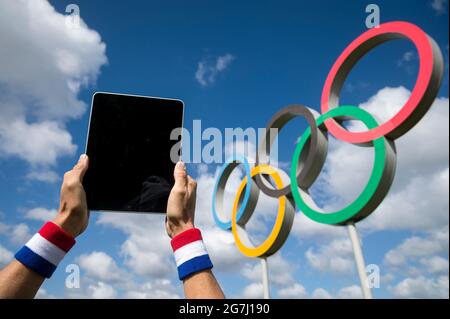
359	259
265	277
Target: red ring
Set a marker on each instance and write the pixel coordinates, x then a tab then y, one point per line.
428	72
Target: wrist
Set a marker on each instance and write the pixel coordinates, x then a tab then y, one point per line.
176	229
68	224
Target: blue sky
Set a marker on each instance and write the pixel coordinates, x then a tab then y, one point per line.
280	53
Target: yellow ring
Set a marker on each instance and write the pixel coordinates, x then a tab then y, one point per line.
262	249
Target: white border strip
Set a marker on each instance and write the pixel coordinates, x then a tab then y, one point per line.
44	248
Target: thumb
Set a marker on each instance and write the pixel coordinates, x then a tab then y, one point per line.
180	175
81	167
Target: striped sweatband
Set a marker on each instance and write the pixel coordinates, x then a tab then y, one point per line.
43	252
190	253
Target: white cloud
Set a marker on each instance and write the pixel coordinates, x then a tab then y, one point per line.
151	270
105	279
305	228
33	31
280	271
224	61
407	62
222	249
415	207
5	256
43	175
387	278
17	234
407	57
3	228
207	70
335	257
40	213
102	290
253	291
422	287
439	6
320	293
416	247
351	292
418	261
352	87
146	262
436	264
417	257
101	266
37	143
146	250
44	294
20	234
295	291
43	66
160	289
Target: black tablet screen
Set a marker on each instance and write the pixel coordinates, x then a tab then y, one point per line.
129	145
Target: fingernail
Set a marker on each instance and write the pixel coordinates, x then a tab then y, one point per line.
181	165
82	157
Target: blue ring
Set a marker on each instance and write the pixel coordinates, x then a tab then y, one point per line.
230	160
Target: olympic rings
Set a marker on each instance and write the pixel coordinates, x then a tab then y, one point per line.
283	223
375	190
311	150
422	96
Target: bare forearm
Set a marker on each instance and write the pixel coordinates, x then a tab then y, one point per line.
17	281
46	249
36	260
202	285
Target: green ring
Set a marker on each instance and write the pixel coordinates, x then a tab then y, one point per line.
353	210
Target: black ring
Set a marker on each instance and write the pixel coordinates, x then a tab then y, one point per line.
310	162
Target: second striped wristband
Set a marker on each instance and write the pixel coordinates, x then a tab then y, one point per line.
190	253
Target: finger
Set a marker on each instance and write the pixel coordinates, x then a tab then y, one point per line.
180	175
192	185
192	190
81	167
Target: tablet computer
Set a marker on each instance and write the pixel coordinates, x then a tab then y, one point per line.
129	147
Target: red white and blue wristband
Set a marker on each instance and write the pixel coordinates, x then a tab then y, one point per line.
190	253
43	252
